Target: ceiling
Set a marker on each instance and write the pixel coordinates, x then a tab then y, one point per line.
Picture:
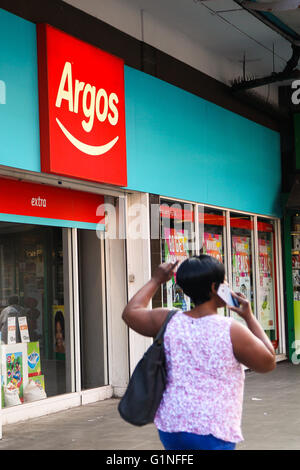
227	29
223	27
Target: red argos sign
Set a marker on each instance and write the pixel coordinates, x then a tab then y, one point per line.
82	109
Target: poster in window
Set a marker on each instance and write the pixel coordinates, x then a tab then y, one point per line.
212	245
266	294
14	367
241	268
59	331
176	248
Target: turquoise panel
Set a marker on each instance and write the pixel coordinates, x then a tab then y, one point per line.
181	146
19	119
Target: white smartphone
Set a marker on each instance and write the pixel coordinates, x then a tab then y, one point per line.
224	292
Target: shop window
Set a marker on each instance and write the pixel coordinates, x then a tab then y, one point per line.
34	320
267	295
177	243
92	310
212	233
241	232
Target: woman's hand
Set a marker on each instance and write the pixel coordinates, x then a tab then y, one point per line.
164	272
244	310
137	314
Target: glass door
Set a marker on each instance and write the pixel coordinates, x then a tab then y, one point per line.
92	310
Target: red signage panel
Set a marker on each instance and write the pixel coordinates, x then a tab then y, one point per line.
38	200
82	109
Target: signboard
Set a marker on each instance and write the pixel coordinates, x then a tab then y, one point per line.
82	109
36	200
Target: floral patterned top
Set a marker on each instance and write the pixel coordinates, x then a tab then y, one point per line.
205	387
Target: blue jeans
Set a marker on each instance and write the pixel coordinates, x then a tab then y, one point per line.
189	441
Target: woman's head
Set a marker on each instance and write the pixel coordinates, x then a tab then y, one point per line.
196	276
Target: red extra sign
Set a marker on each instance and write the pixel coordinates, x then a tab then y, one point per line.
39	200
82	109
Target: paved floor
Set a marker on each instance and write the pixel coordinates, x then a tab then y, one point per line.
271	421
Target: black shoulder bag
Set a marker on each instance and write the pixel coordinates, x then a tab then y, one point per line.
147	383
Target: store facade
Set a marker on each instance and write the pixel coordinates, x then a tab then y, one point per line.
169	171
216	179
57	269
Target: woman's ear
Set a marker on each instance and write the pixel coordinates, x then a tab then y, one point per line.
214	287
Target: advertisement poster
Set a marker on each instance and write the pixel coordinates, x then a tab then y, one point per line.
266	294
59	330
176	248
241	268
212	245
14	367
34	359
11	330
23	329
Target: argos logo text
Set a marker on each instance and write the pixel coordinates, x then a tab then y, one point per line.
94	102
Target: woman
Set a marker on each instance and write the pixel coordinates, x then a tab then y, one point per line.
205	352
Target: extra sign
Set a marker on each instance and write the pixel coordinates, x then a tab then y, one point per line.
82	109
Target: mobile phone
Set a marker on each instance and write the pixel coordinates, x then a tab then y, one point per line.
225	293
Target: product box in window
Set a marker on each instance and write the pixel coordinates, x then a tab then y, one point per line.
39	379
34	359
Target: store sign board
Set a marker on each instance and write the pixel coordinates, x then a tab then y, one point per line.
82	109
36	200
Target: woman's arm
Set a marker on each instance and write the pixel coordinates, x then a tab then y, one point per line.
137	315
251	346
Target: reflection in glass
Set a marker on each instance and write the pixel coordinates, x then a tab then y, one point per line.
92	312
32	311
212	234
266	299
241	229
177	243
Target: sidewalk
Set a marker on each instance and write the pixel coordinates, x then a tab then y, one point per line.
271	421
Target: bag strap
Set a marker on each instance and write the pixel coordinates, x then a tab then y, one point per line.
160	334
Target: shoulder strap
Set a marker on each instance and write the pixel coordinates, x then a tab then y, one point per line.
160	334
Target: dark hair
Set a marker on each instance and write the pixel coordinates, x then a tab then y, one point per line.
196	275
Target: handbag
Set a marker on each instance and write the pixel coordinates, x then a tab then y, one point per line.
144	392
